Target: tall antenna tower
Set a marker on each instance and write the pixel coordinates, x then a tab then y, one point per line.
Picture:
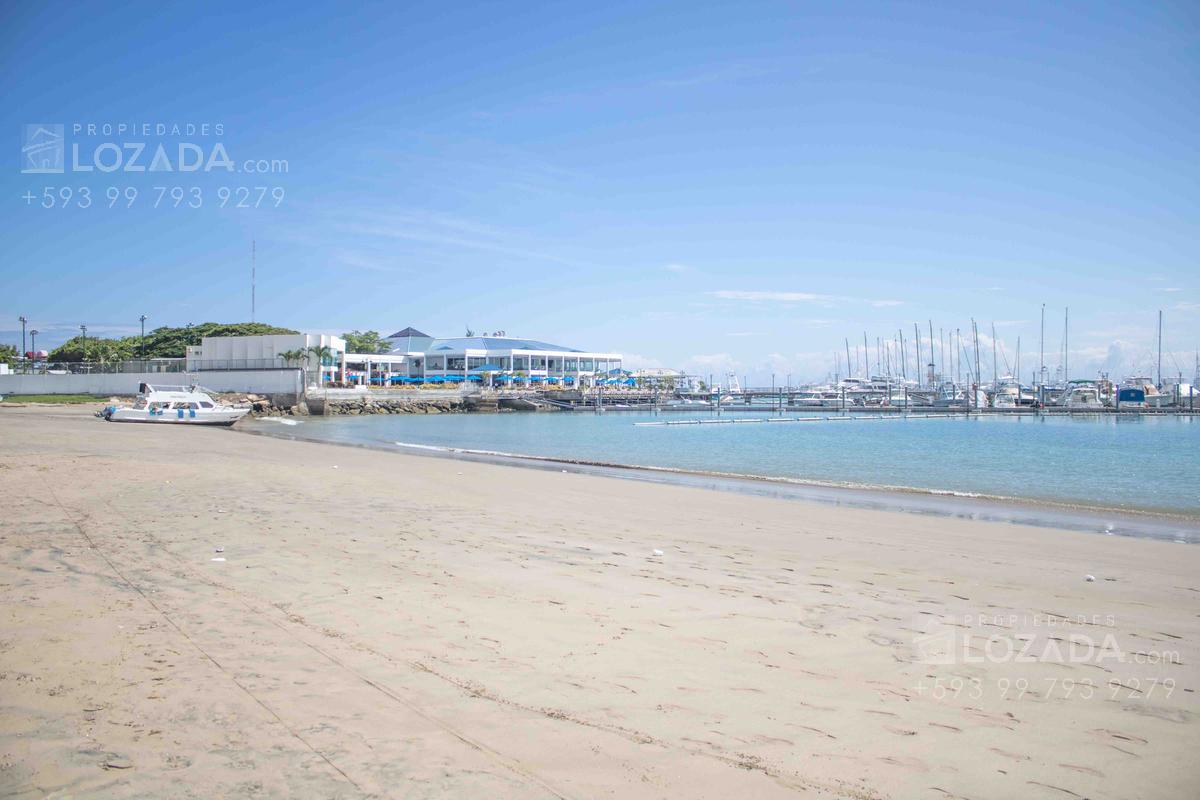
253	278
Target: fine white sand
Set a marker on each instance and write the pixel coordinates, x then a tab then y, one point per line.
399	626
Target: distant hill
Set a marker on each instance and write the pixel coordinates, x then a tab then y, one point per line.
162	342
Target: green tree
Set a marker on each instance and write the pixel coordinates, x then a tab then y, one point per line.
8	354
160	342
323	353
366	342
173	342
72	349
291	358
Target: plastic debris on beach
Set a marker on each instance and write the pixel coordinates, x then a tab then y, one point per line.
658	552
219	550
218	558
1089	578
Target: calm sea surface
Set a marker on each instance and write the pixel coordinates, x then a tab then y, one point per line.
1131	463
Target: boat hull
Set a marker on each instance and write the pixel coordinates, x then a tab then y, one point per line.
173	417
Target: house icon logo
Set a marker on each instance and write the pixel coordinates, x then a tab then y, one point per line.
42	148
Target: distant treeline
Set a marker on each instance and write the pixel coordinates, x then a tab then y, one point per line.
159	343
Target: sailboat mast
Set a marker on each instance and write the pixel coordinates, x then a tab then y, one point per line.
932	359
995	375
917	339
1160	348
975	335
957	348
1018	376
1066	340
1042	349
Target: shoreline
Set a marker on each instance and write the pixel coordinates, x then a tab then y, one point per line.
1134	523
193	612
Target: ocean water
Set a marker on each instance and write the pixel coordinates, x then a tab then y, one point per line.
1130	463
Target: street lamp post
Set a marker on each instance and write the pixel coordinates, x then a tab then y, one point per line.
142	343
23	321
83	347
33	346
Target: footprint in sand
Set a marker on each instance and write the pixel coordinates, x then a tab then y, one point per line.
1105	733
899	731
1007	754
1085	770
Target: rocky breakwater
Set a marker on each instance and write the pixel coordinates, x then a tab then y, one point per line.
400	405
266	405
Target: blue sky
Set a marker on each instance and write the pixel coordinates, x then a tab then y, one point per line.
726	186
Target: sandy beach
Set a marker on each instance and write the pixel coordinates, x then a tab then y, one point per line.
204	613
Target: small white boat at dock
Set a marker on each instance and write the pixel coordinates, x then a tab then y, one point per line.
181	405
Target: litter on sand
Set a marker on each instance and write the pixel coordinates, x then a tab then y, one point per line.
658	552
218	558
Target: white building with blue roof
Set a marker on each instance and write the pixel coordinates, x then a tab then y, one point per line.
495	358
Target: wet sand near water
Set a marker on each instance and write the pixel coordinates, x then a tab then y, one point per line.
195	613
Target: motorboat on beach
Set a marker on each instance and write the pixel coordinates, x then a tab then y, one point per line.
180	405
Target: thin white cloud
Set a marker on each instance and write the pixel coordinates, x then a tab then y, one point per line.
678	269
762	296
713	361
436	229
1170	289
771	297
639	361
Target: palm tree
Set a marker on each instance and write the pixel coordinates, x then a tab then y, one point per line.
324	355
290	357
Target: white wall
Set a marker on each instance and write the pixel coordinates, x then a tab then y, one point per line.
266	381
266	348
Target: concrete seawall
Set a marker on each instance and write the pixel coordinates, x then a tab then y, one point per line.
282	388
264	381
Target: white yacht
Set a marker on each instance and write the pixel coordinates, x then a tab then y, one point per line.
950	396
808	399
1009	393
1083	397
185	405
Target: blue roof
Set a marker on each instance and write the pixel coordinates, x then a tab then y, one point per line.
495	343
